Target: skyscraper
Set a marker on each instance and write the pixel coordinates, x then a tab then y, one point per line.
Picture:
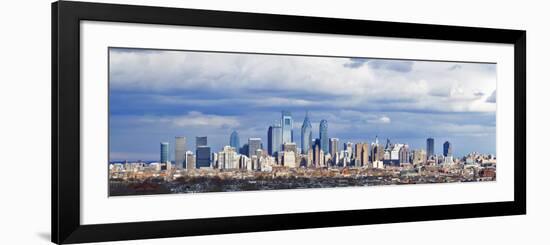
189	160
274	139
253	145
203	156
286	122
430	147
333	146
180	152
365	157
306	134
323	135
316	156
358	154
201	141
447	149
164	151
234	140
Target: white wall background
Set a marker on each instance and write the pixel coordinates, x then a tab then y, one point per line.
25	125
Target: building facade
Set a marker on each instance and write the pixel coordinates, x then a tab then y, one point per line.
253	145
274	139
323	135
180	151
447	149
430	143
201	141
306	135
164	152
234	140
203	157
286	124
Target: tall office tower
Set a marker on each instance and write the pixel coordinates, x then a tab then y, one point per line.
309	158
404	155
234	140
333	146
323	135
358	154
274	139
306	134
377	153
430	147
365	154
201	141
180	152
164	151
203	156
253	145
447	149
348	148
317	156
227	159
189	160
286	122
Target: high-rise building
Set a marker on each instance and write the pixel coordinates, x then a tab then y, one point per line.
253	145
274	139
234	140
180	152
333	146
306	134
164	152
365	155
447	149
201	141
358	154
419	157
323	135
203	156
404	155
430	147
227	159
317	156
189	160
286	122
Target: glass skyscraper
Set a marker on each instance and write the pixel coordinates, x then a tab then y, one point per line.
323	135
306	135
201	141
286	122
164	151
180	151
447	149
430	147
274	139
203	156
234	141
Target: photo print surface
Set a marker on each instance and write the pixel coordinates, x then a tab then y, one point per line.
199	121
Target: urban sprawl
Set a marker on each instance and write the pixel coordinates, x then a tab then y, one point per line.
318	162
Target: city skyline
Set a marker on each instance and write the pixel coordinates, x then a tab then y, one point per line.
146	112
264	144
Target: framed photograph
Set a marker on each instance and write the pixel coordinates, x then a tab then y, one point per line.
174	122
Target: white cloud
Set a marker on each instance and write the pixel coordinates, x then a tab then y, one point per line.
429	85
384	120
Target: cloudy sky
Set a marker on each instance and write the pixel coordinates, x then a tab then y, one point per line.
156	95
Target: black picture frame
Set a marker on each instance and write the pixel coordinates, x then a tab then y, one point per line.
66	17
